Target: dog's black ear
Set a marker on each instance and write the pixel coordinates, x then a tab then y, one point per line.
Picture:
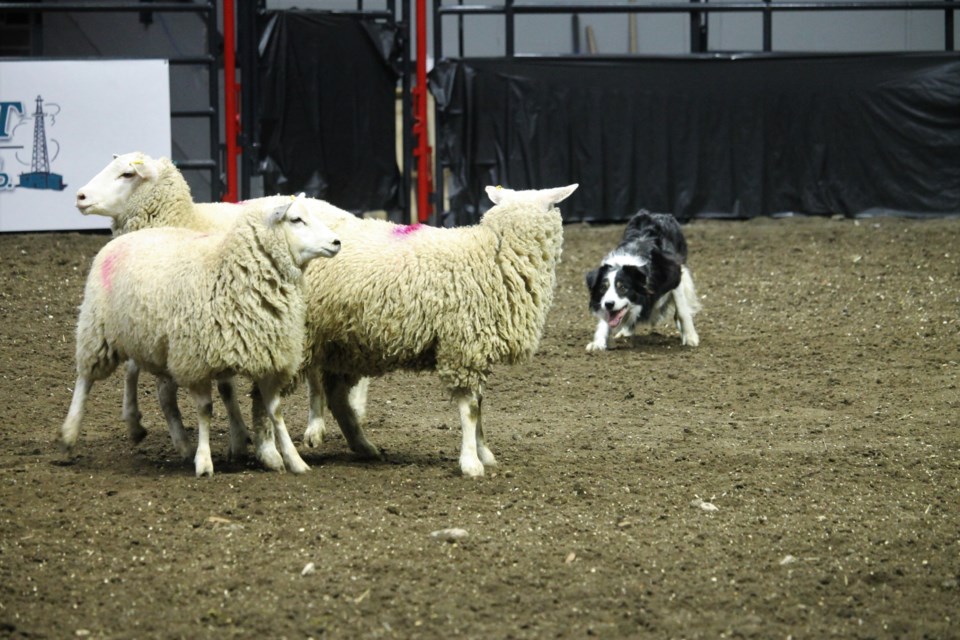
592	278
666	265
637	276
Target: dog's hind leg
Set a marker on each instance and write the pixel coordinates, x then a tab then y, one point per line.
687	305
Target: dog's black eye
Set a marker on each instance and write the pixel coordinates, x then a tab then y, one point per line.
620	287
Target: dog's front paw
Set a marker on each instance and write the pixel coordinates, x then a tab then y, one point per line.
624	332
691	339
596	346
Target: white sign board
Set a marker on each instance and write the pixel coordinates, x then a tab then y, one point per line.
60	124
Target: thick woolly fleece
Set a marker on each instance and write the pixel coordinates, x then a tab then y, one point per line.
415	297
194	305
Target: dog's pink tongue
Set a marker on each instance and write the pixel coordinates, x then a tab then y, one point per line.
617	318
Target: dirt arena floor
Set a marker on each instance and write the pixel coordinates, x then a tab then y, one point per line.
820	416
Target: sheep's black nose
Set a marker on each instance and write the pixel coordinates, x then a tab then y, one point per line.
336	243
81	196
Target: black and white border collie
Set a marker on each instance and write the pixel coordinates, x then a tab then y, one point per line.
643	280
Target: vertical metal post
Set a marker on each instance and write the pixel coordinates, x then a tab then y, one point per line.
575	27
438	195
511	34
767	26
420	125
213	69
247	135
460	37
698	30
406	99
948	43
230	100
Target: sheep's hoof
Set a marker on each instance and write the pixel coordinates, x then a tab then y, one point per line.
186	452
298	467
471	468
237	452
271	459
313	437
368	452
204	468
136	431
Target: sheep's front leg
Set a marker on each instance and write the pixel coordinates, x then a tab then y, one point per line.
472	446
344	395
269	390
204	400
238	429
316	429
167	395
131	409
71	426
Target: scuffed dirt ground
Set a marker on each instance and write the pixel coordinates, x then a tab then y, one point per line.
819	415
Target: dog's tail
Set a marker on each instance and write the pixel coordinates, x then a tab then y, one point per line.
662	228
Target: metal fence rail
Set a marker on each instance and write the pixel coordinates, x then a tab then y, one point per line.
695	9
210	60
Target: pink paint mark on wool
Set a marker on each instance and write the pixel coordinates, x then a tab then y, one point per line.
108	268
407	229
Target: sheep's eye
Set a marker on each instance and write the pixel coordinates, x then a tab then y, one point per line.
297	221
127	174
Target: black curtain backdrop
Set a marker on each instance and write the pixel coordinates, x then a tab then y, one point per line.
327	109
731	136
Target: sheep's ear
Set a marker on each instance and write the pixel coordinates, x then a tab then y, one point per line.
146	167
279	213
497	194
546	198
550	197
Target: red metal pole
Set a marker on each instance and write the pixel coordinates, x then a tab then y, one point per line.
422	151
230	99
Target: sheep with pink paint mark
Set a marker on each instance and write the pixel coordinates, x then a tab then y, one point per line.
197	307
137	191
454	301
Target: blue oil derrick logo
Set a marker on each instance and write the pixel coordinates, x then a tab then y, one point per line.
39	176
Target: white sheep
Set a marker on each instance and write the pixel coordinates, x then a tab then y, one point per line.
381	257
199	307
137	191
457	301
117	192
